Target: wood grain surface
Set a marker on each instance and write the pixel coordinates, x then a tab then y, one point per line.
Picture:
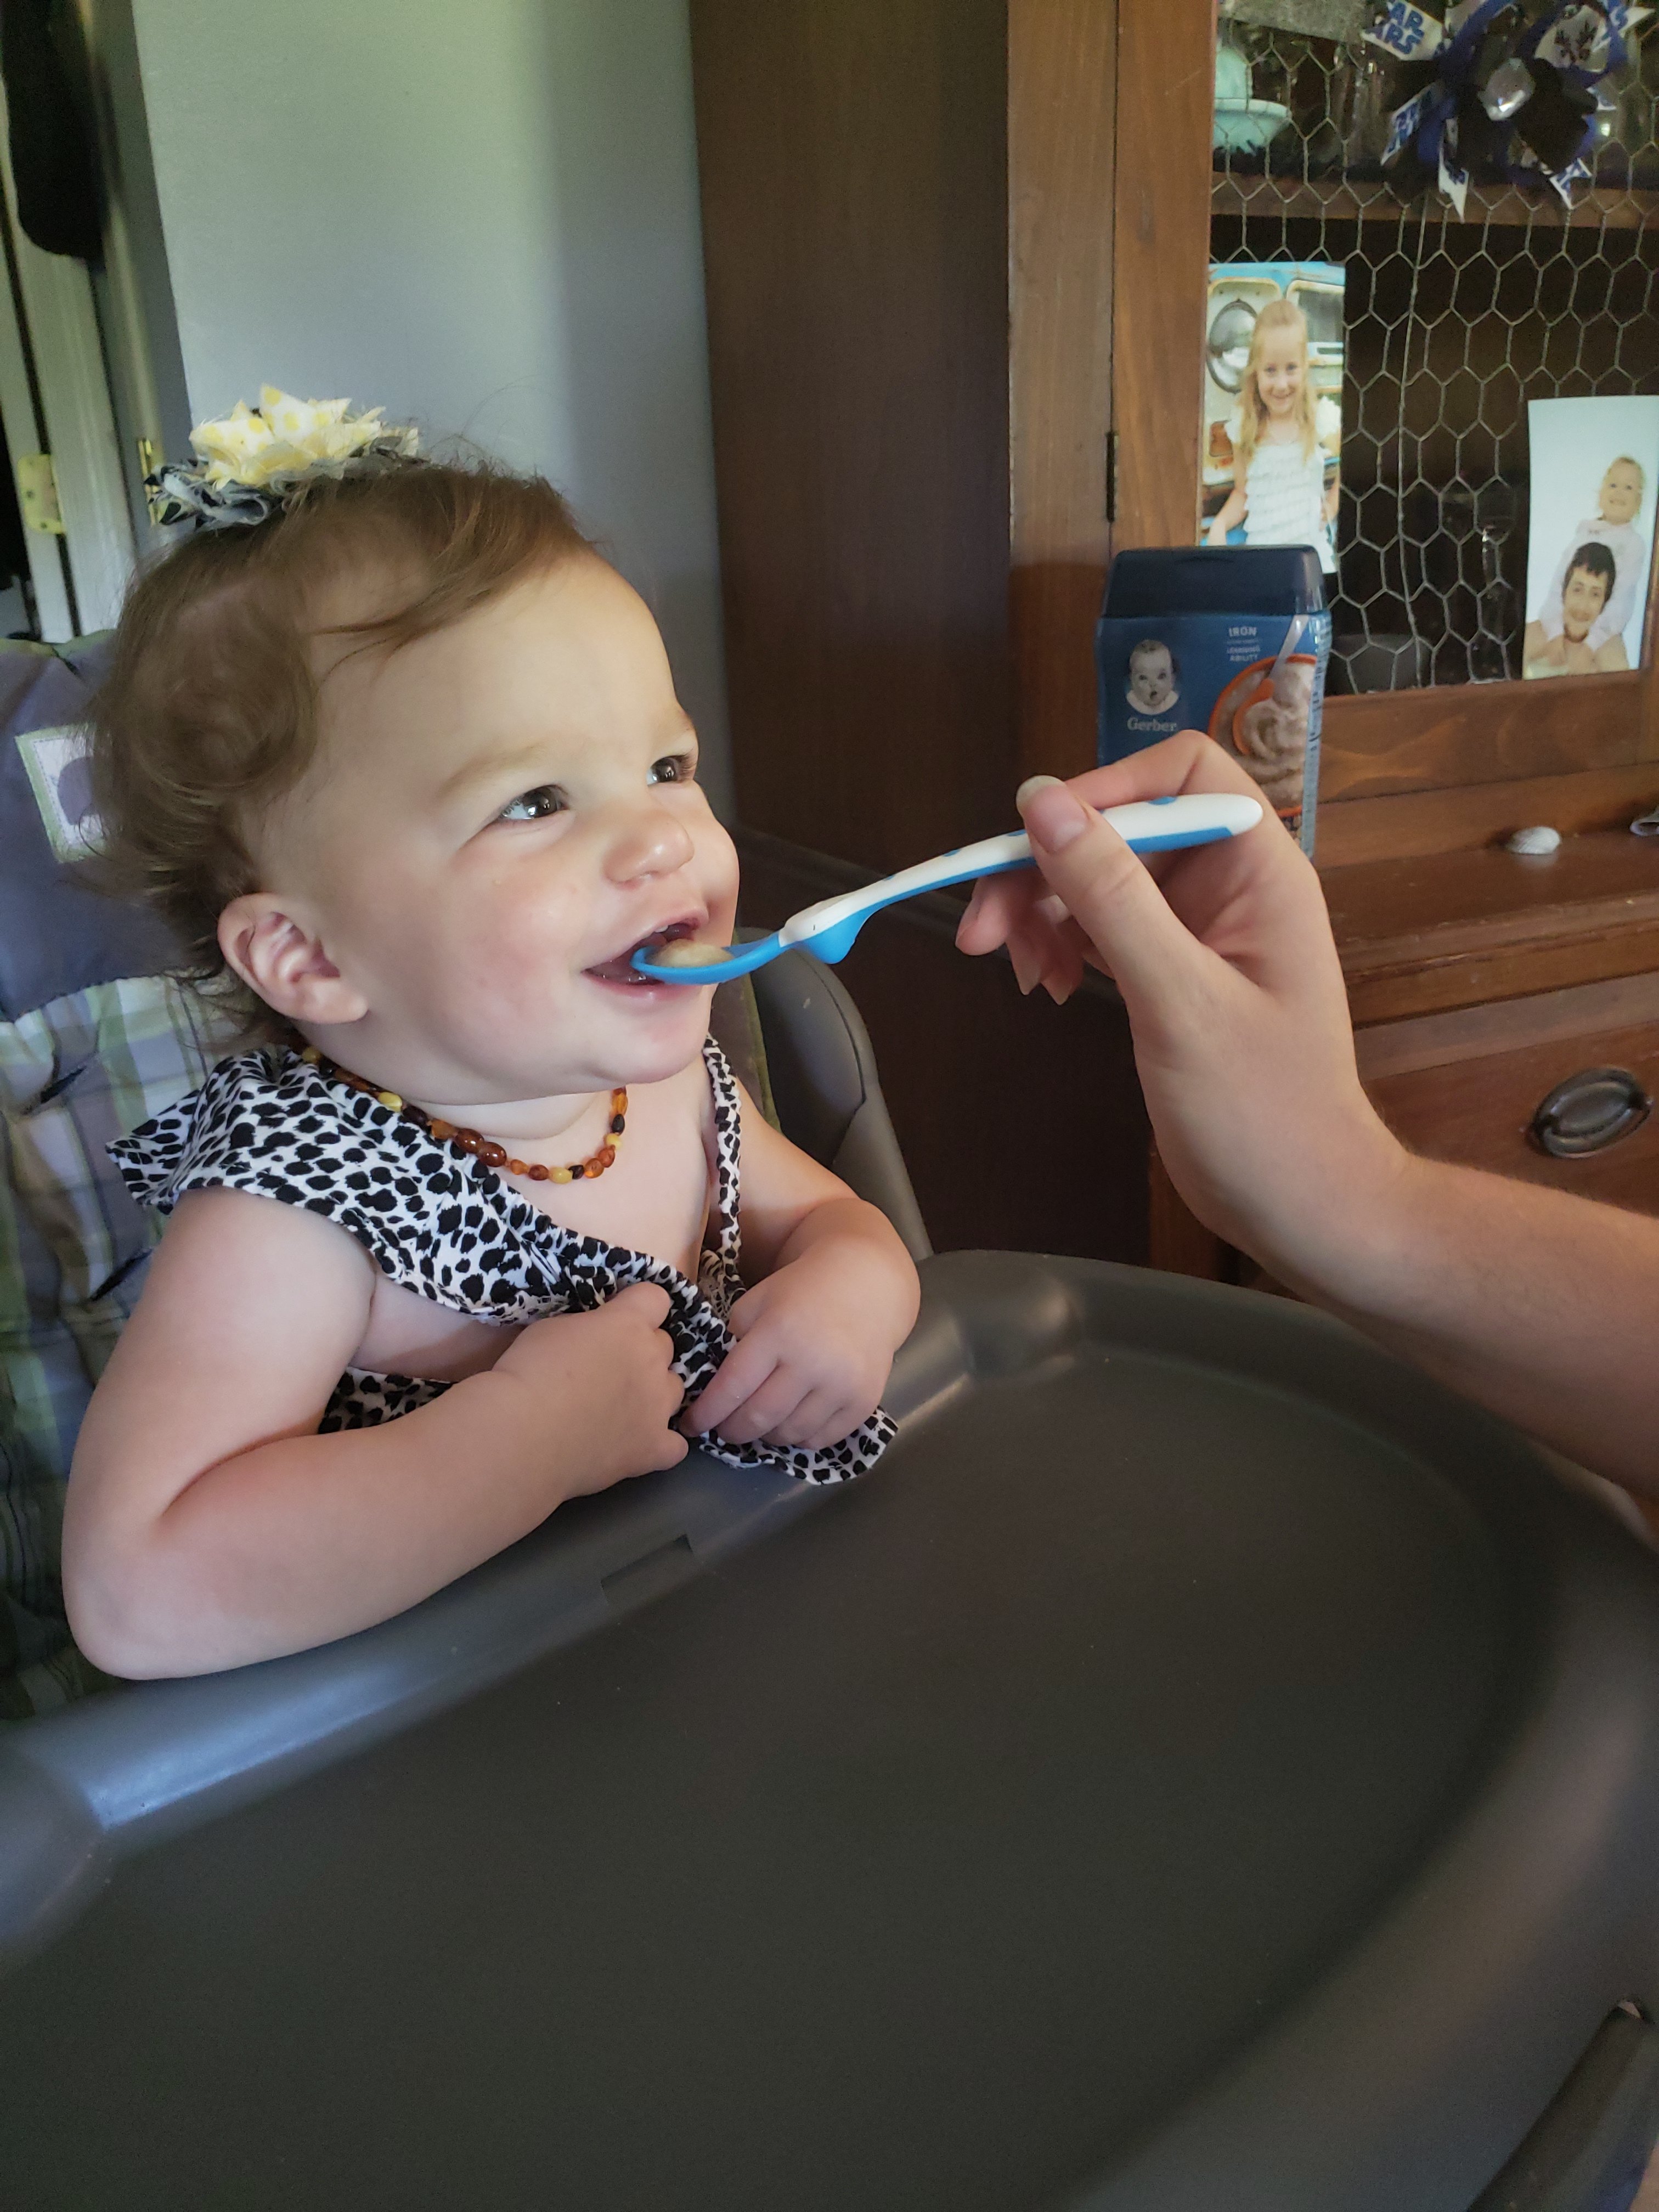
1453	929
1166	65
1061	176
1413	824
855	241
1455	734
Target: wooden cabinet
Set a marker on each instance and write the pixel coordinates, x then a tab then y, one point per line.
1480	1107
956	256
1484	982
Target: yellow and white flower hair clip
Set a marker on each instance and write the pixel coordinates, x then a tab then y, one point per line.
253	461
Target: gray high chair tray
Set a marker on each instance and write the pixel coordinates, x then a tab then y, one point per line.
1204	1766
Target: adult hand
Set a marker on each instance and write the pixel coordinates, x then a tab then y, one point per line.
1535	1302
1224	957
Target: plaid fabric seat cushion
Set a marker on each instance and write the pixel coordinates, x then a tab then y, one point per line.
74	1075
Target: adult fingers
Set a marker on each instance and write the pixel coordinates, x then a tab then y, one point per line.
998	906
1107	891
1001	906
1190	761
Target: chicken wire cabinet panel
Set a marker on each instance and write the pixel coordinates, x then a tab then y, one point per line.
1452	326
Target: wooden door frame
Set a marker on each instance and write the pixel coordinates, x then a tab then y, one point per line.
55	398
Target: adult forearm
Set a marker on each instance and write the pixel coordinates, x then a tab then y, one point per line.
1541	1306
307	1538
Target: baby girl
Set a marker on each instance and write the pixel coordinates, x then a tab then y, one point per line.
481	1215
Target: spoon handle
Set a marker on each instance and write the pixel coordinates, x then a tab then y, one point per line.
1146	825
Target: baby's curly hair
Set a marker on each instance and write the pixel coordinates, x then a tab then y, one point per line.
209	711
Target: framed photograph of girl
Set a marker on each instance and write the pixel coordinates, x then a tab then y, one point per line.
1273	405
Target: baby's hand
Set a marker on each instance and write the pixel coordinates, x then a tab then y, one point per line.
813	1354
603	1380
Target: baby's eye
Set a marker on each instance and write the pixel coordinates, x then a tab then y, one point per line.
673	768
535	805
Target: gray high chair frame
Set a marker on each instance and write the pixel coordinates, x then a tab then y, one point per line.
1207	1765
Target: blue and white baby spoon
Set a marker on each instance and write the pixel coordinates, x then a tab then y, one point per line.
1147	825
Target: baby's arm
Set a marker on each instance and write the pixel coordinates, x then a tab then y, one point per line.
208	1524
834	1295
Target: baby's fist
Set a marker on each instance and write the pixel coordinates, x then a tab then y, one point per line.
606	1378
815	1345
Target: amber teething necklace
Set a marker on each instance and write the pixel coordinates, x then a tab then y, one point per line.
468	1140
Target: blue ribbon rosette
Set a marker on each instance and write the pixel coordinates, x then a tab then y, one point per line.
1532	112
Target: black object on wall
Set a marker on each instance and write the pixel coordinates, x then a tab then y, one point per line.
50	130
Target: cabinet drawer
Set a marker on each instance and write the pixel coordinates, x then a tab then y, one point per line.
1469	1087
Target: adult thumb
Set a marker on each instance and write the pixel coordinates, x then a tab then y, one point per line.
1104	888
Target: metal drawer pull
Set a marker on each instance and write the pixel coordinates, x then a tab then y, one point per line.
1590	1111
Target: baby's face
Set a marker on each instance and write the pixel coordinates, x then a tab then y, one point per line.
497	816
1621	493
1582	598
1154	679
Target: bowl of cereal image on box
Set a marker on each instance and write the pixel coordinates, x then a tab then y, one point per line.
1262	718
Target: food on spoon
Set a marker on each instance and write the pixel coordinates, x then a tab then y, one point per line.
686	952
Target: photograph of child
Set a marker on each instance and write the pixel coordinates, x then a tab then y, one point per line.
1154	679
1581	607
1588	571
1280	440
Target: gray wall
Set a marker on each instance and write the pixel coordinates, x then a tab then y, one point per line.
482	217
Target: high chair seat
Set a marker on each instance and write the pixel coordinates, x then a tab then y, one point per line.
1207	1765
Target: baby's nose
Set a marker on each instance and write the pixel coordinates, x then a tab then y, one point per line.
646	840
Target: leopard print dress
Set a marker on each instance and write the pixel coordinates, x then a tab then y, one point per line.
441	1223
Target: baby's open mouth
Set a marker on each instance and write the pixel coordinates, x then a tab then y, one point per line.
621	969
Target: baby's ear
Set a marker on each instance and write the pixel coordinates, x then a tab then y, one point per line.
285	962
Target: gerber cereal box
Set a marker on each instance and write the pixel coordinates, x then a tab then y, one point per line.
1255	681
